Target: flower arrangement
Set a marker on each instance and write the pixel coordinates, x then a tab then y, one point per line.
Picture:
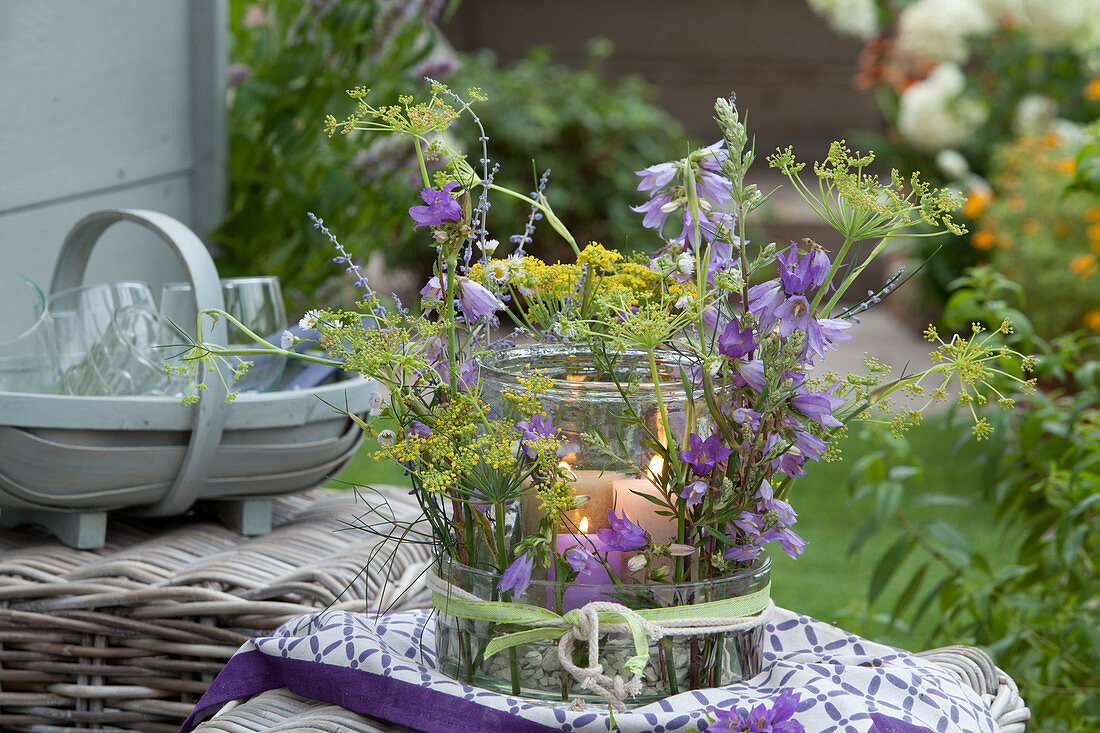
700	371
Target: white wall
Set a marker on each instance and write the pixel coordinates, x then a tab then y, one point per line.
112	103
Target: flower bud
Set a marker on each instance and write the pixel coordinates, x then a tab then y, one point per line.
637	562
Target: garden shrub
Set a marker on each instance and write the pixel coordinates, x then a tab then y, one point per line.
292	62
1032	602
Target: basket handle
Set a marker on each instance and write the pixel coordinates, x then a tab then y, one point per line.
210	413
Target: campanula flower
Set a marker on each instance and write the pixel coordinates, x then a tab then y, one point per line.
582	560
761	719
518	575
441	207
735	342
694	492
474	299
624	535
538	427
818	406
703	455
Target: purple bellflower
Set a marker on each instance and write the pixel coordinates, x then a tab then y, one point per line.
779	719
623	536
582	560
703	455
441	207
474	299
518	575
736	343
538	427
818	406
694	492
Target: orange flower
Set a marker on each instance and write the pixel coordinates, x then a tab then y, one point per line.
1092	320
1093	232
1066	166
1029	227
1092	90
982	239
1051	140
1092	213
1083	265
977	200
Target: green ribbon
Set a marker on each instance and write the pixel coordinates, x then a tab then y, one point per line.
523	614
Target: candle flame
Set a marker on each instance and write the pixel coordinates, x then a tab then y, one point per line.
655	467
584	525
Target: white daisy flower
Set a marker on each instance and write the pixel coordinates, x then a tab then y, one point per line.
311	320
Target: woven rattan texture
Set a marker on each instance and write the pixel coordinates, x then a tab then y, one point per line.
128	637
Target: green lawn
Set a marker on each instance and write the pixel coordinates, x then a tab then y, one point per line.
827	582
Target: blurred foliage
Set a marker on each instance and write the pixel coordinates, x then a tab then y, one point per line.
1032	602
292	63
590	132
1023	85
1041	234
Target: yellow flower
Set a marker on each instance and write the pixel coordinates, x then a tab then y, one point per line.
1092	213
977	200
1066	166
1092	320
1092	89
982	239
1083	265
1093	233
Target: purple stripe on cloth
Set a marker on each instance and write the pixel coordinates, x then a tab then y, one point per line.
420	708
885	724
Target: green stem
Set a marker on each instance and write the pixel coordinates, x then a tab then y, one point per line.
502	559
420	159
854	274
832	272
551	218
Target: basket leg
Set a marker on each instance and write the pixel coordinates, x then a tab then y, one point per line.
250	517
80	530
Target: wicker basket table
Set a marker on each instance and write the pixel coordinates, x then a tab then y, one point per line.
129	636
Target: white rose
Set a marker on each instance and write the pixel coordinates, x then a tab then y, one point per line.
857	18
936	30
1073	24
952	164
1033	114
933	114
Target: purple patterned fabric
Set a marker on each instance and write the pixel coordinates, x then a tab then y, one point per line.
384	666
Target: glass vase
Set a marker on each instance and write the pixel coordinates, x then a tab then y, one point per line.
585	401
533	670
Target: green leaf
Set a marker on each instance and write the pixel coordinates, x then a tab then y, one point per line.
910	592
887	566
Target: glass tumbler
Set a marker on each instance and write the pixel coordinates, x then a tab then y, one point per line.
28	354
257	302
123	361
82	315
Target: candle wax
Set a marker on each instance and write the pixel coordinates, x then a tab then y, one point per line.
592	586
643	512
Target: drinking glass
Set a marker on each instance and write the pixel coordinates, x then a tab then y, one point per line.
83	314
123	360
28	355
257	302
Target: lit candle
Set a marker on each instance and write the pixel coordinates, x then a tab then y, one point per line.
595	585
630	496
597	486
